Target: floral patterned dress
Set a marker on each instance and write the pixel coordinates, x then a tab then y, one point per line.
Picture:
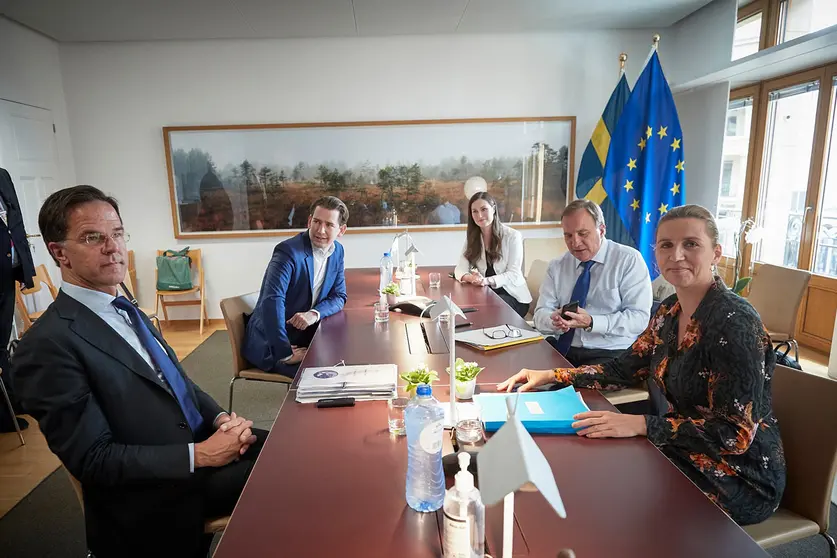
719	428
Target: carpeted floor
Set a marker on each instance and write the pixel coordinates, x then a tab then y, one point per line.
48	523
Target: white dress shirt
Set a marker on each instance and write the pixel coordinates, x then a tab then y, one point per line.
321	257
100	304
508	269
619	299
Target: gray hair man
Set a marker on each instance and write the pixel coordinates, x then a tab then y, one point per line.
608	282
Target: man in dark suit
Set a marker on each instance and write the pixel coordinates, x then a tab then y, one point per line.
156	456
15	266
304	283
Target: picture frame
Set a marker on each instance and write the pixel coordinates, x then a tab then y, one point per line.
256	180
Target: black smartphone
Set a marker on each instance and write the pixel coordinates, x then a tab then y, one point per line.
336	402
570	307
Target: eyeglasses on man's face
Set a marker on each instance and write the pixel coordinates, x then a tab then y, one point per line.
99	239
500	333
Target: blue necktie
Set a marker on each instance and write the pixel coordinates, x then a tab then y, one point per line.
170	372
582	286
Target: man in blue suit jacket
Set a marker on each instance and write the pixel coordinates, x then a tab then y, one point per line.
304	283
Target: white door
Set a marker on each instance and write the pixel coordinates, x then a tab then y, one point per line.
28	152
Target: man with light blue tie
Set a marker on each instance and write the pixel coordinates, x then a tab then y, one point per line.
610	283
155	455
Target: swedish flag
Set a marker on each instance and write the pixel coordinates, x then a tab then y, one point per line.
644	174
589	184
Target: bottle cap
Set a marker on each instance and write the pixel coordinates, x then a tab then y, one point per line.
386	254
423	390
464	480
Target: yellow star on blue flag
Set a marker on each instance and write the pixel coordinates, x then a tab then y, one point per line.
654	167
589	184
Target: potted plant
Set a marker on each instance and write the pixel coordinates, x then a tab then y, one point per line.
392	291
466	378
421	374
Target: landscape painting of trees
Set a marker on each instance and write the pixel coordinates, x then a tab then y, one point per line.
245	180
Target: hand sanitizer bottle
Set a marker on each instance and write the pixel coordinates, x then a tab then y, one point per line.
464	530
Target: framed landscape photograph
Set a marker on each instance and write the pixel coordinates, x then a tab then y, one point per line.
260	180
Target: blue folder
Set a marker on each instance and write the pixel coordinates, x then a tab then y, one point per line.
541	412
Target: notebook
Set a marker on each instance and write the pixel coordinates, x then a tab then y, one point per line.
481	338
541	412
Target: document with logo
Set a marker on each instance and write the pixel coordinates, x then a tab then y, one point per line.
363	382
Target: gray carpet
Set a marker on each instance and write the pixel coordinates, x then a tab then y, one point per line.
210	366
48	523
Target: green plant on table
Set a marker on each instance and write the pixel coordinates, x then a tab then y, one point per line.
392	289
465	371
418	375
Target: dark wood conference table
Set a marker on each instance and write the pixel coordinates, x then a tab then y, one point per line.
331	482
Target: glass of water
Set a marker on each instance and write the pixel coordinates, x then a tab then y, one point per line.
381	312
395	413
435	280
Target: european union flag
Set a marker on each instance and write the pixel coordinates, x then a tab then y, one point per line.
645	172
589	184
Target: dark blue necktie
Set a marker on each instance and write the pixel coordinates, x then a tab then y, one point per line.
582	286
170	372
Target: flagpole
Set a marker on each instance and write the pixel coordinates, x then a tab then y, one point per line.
654	47
622	59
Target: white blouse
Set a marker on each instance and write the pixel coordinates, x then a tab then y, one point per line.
508	269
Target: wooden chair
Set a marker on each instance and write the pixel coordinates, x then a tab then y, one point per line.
199	288
40	279
11	411
804	405
777	293
233	309
210	526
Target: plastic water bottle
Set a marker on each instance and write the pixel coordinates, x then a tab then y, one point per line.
425	422
386	271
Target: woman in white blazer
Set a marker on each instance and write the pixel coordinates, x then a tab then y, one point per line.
493	255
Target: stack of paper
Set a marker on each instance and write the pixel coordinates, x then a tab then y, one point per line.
541	412
484	339
363	382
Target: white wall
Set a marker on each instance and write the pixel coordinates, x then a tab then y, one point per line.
30	73
121	95
703	117
701	42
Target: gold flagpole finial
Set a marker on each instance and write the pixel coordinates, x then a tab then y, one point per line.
656	40
622	59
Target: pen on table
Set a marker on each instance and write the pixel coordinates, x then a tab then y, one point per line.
465	324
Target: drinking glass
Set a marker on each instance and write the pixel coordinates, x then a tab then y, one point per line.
395	415
469	434
381	312
435	280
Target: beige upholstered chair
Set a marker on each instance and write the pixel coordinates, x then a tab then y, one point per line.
233	309
804	405
777	293
199	288
546	249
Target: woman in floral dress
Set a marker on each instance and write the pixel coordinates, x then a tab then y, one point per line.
711	357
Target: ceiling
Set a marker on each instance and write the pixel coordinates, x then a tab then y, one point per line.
147	20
